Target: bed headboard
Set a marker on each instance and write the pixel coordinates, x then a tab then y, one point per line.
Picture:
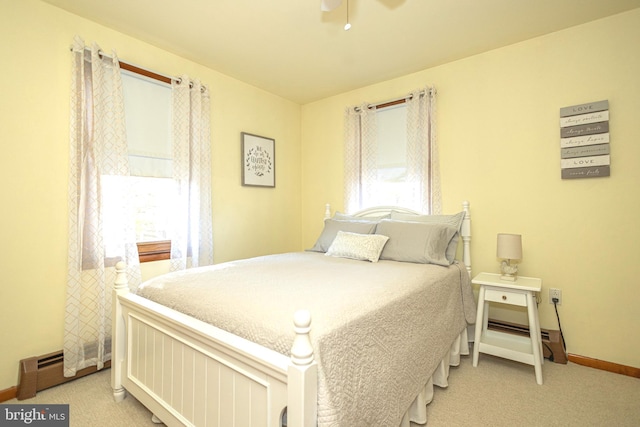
465	230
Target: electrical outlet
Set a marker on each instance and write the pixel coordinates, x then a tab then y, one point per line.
555	293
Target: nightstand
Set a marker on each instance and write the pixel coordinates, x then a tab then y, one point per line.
520	292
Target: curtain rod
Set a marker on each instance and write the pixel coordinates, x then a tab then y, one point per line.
395	101
147	73
143	72
135	69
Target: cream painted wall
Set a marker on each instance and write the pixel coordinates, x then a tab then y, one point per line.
498	133
34	116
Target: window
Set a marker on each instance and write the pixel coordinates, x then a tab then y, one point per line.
391	156
147	104
391	186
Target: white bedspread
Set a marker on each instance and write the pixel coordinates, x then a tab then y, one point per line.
378	329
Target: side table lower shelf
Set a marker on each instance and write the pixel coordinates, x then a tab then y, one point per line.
506	345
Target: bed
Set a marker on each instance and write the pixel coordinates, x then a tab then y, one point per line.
355	332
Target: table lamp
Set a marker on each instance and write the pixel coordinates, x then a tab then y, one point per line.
509	250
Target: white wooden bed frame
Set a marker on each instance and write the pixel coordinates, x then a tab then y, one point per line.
187	372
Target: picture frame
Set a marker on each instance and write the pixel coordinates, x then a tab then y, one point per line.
258	160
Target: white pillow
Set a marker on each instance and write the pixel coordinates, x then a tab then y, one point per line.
364	247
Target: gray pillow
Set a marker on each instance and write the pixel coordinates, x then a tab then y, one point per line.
343	216
454	221
417	242
332	226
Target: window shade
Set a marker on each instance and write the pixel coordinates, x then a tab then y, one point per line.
147	105
392	143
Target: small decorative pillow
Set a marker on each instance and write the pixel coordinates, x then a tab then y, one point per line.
333	226
364	247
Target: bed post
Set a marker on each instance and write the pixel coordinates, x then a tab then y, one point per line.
302	383
466	236
120	287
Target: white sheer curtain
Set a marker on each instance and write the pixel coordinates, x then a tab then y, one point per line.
421	185
192	239
98	153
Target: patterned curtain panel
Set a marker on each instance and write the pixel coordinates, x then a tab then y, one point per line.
423	170
360	157
98	155
192	239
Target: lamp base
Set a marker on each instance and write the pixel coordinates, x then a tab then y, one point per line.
508	271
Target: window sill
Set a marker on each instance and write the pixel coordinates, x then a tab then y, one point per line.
154	251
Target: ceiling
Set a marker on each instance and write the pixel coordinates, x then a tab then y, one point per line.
293	49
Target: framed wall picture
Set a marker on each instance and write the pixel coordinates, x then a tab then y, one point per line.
258	160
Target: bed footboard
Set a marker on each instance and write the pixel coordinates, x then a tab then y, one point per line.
187	372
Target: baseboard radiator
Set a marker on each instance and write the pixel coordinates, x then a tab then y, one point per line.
42	372
552	346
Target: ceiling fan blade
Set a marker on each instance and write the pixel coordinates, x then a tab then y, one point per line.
329	5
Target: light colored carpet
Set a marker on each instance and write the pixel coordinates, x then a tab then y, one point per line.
91	403
501	392
497	393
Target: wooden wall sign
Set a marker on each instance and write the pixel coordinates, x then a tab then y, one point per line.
584	141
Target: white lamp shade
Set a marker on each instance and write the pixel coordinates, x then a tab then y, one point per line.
509	246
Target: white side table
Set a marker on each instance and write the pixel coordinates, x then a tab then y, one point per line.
521	293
